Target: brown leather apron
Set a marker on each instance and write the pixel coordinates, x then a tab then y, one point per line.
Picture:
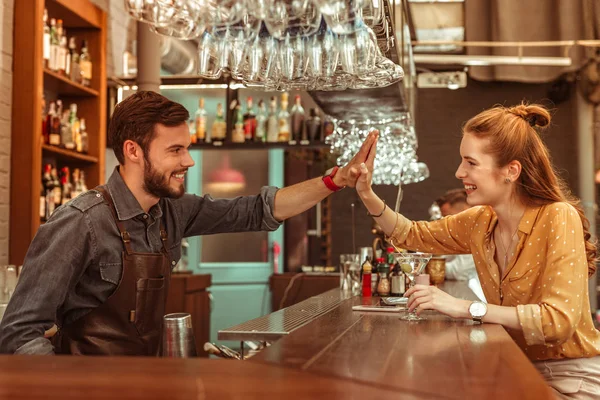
130	321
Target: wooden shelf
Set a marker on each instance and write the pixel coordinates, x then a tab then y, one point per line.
85	21
68	155
259	146
76	13
66	87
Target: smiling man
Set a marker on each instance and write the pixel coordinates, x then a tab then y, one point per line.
100	267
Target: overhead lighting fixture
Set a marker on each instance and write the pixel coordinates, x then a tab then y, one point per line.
225	179
491	60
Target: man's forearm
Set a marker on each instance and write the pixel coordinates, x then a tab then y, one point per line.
295	199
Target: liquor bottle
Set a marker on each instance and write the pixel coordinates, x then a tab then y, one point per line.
314	128
261	122
56	188
46	45
284	120
74	68
297	117
42	202
76	185
328	127
84	187
249	120
219	127
48	183
54	45
237	135
74	125
63	52
85	63
66	186
48	124
66	132
83	140
192	128
55	115
44	132
201	122
272	123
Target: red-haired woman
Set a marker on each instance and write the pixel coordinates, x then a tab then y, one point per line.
530	241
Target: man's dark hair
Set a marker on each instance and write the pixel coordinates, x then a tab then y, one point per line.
452	197
136	117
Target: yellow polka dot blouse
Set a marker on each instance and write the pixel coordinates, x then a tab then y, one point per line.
546	278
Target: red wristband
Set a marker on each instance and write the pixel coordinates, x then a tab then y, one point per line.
328	180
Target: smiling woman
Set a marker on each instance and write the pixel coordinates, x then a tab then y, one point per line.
529	239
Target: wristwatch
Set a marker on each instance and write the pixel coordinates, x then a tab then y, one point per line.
328	179
478	309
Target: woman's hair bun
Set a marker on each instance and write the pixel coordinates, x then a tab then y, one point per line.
534	114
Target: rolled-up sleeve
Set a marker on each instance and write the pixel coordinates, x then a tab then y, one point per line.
203	215
554	319
449	235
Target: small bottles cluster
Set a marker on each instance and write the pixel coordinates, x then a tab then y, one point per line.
272	125
58	187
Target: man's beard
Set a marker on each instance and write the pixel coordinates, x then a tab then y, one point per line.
157	184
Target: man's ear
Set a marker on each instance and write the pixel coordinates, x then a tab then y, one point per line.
133	152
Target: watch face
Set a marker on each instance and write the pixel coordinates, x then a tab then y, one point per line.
478	309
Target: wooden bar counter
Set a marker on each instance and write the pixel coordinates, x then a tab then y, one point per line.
440	358
340	354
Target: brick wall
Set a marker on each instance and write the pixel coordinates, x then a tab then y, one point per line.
6	67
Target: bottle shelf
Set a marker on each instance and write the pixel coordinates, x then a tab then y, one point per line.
66	87
259	146
69	155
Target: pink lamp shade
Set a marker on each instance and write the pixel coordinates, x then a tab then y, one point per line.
225	178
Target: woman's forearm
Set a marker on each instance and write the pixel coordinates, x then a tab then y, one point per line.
387	220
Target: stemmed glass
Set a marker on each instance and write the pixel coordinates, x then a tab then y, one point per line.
412	264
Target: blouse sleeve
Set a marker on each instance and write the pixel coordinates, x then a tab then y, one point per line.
449	235
564	283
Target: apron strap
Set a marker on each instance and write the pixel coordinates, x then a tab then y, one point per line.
124	234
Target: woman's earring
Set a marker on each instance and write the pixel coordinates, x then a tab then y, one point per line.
507	180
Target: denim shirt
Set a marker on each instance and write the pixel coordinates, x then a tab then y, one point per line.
74	262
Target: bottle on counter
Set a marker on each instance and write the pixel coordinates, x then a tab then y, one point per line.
249	121
200	122
313	126
219	127
383	285
272	122
284	120
398	281
366	278
297	118
375	276
238	135
261	122
85	64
